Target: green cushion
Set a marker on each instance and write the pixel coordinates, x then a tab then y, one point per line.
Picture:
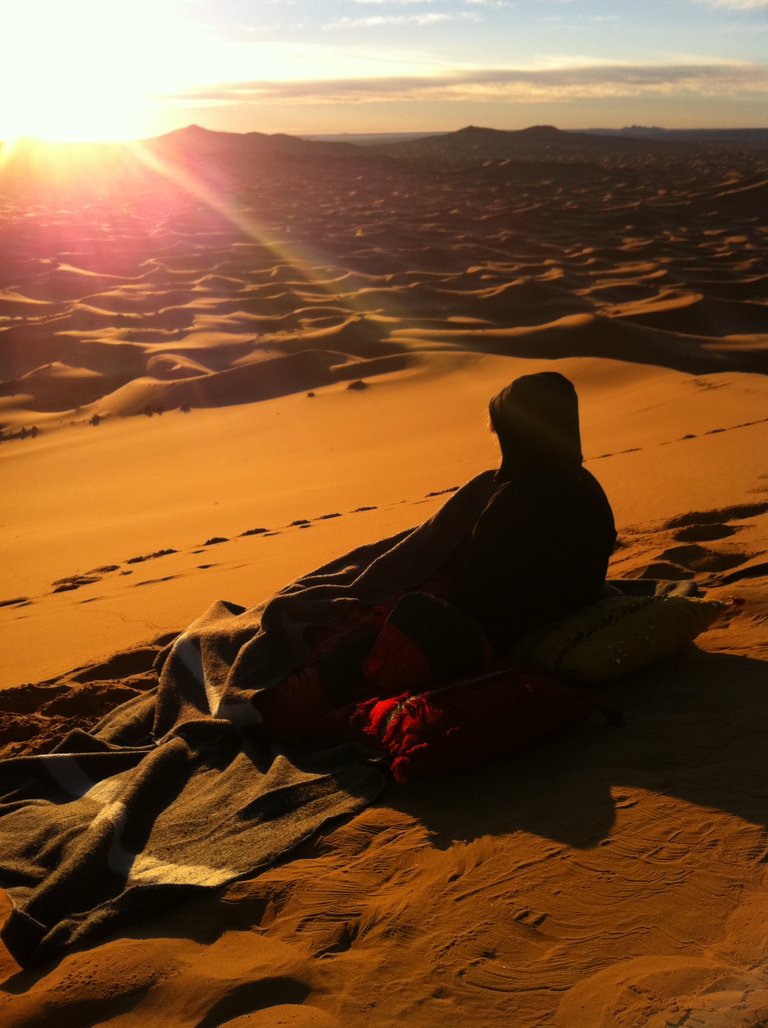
616	636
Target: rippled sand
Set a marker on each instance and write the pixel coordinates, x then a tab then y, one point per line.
180	335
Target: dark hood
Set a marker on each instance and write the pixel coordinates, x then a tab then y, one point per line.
536	419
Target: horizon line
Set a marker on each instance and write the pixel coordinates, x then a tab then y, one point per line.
314	135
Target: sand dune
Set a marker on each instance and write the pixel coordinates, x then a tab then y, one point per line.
517	244
224	360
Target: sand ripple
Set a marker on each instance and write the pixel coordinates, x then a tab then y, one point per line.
208	268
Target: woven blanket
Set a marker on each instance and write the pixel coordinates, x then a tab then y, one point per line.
179	790
216	666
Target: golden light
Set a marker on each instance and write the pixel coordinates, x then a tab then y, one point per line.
103	70
80	69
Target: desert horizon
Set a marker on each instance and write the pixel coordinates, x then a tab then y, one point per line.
228	358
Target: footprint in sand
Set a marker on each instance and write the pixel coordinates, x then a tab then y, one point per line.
18	601
703	533
150	556
65	585
442	492
620	453
662	569
530	917
215	540
72	582
698	558
739	512
758	570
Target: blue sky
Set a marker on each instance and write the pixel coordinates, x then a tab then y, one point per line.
440	64
332	66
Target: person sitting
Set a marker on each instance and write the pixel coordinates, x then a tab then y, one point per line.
540	548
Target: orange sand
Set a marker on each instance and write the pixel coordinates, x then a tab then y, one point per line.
613	878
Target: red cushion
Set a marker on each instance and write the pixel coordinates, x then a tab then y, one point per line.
468	722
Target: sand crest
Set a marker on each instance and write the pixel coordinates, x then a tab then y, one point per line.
223	371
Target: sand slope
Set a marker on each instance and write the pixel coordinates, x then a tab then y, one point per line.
614	877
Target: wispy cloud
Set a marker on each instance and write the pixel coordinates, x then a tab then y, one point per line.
412	3
376	20
738	5
519	85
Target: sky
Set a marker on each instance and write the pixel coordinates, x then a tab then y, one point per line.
75	69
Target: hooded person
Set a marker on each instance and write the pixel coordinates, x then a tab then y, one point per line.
540	548
509	551
535	548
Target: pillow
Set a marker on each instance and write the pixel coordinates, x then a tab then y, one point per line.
615	636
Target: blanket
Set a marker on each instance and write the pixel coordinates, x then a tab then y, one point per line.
180	789
230	654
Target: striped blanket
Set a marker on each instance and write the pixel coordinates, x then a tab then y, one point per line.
113	826
180	789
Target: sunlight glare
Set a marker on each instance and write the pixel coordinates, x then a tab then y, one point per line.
80	69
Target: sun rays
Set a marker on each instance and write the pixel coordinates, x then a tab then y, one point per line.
82	70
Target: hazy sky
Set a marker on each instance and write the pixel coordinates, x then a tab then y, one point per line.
110	67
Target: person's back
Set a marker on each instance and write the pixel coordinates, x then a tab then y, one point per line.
541	547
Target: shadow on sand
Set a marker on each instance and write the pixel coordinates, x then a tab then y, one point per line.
694	728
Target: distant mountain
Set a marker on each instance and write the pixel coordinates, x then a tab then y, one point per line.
366	138
540	142
232	156
735	135
223	158
549	134
545	143
195	140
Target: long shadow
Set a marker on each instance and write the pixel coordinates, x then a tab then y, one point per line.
694	727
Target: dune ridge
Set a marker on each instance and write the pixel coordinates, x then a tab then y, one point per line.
180	256
227	359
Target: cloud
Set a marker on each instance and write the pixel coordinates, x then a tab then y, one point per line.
739	5
374	21
409	3
543	85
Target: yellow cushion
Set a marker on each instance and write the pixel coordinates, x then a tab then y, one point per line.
616	636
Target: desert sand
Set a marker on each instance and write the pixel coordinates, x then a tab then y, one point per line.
225	360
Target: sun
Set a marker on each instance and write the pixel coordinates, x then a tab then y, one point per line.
80	69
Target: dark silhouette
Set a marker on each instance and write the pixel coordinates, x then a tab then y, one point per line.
540	548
